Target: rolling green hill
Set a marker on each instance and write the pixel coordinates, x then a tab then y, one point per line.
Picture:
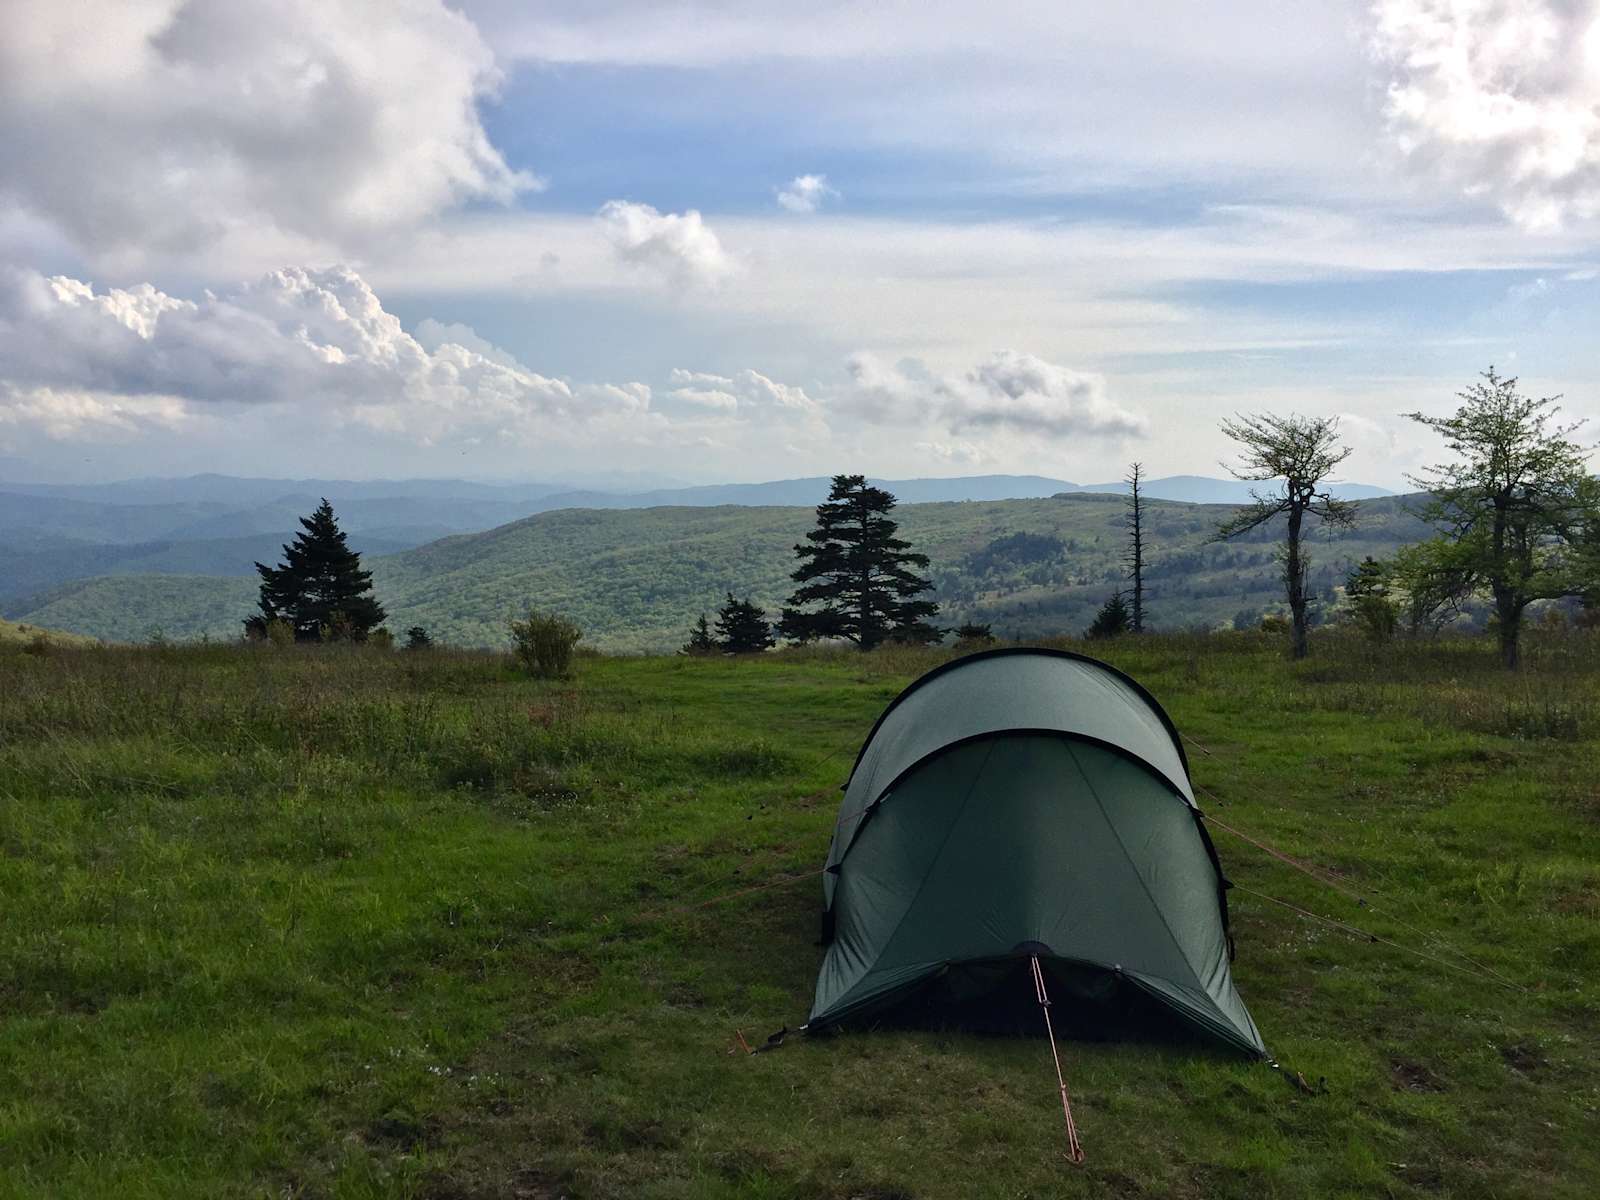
634	579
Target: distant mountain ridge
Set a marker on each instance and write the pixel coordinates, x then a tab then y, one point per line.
227	493
635	579
217	525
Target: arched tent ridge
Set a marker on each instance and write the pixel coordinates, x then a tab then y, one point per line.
1027	802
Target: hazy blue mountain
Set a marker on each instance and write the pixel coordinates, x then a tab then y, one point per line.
93	521
1201	489
33	566
814	490
241	492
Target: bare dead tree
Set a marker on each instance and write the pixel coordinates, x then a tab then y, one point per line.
1302	452
1135	557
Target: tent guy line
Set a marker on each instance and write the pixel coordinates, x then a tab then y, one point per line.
1373	937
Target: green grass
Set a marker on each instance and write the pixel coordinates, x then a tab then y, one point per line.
330	922
635	580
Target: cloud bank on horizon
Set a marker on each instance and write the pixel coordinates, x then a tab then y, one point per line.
500	241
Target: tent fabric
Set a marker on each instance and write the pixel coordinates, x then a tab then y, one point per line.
1025	802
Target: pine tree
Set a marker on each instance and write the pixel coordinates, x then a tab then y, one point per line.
1111	620
742	628
700	642
320	589
860	574
1368	589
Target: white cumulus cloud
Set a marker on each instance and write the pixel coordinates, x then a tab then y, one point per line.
1007	392
1501	96
680	248
1026	393
163	125
805	193
746	390
316	339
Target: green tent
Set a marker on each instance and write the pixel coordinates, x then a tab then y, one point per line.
1022	803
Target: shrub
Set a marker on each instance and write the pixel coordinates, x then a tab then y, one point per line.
700	643
280	632
972	634
1112	620
381	638
417	638
543	644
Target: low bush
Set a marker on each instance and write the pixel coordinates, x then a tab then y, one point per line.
543	644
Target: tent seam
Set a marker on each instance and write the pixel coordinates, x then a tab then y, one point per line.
1143	886
939	854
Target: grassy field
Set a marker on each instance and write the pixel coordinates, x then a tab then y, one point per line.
332	922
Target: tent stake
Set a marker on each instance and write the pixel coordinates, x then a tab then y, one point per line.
1074	1150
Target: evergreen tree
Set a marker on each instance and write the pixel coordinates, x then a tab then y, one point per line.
1112	619
417	638
320	589
742	628
859	573
1368	590
700	642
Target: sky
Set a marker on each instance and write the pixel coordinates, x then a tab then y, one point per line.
604	242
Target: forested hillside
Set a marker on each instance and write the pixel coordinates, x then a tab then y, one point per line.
635	579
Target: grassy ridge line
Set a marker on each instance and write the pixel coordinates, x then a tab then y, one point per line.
31	635
635	580
329	922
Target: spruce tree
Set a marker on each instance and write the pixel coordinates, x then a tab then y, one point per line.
320	589
1112	620
859	573
700	641
742	628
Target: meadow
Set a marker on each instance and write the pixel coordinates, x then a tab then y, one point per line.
329	921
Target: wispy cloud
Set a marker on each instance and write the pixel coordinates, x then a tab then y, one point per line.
806	193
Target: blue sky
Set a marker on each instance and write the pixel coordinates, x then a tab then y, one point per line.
724	241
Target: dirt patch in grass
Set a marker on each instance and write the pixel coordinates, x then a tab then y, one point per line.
1415	1077
1524	1057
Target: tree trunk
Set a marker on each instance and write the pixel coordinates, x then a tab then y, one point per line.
1508	613
1294	578
1136	530
1508	616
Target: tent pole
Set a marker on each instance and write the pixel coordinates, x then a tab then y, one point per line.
1074	1150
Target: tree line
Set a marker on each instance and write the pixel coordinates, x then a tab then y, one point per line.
1516	514
1515	510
